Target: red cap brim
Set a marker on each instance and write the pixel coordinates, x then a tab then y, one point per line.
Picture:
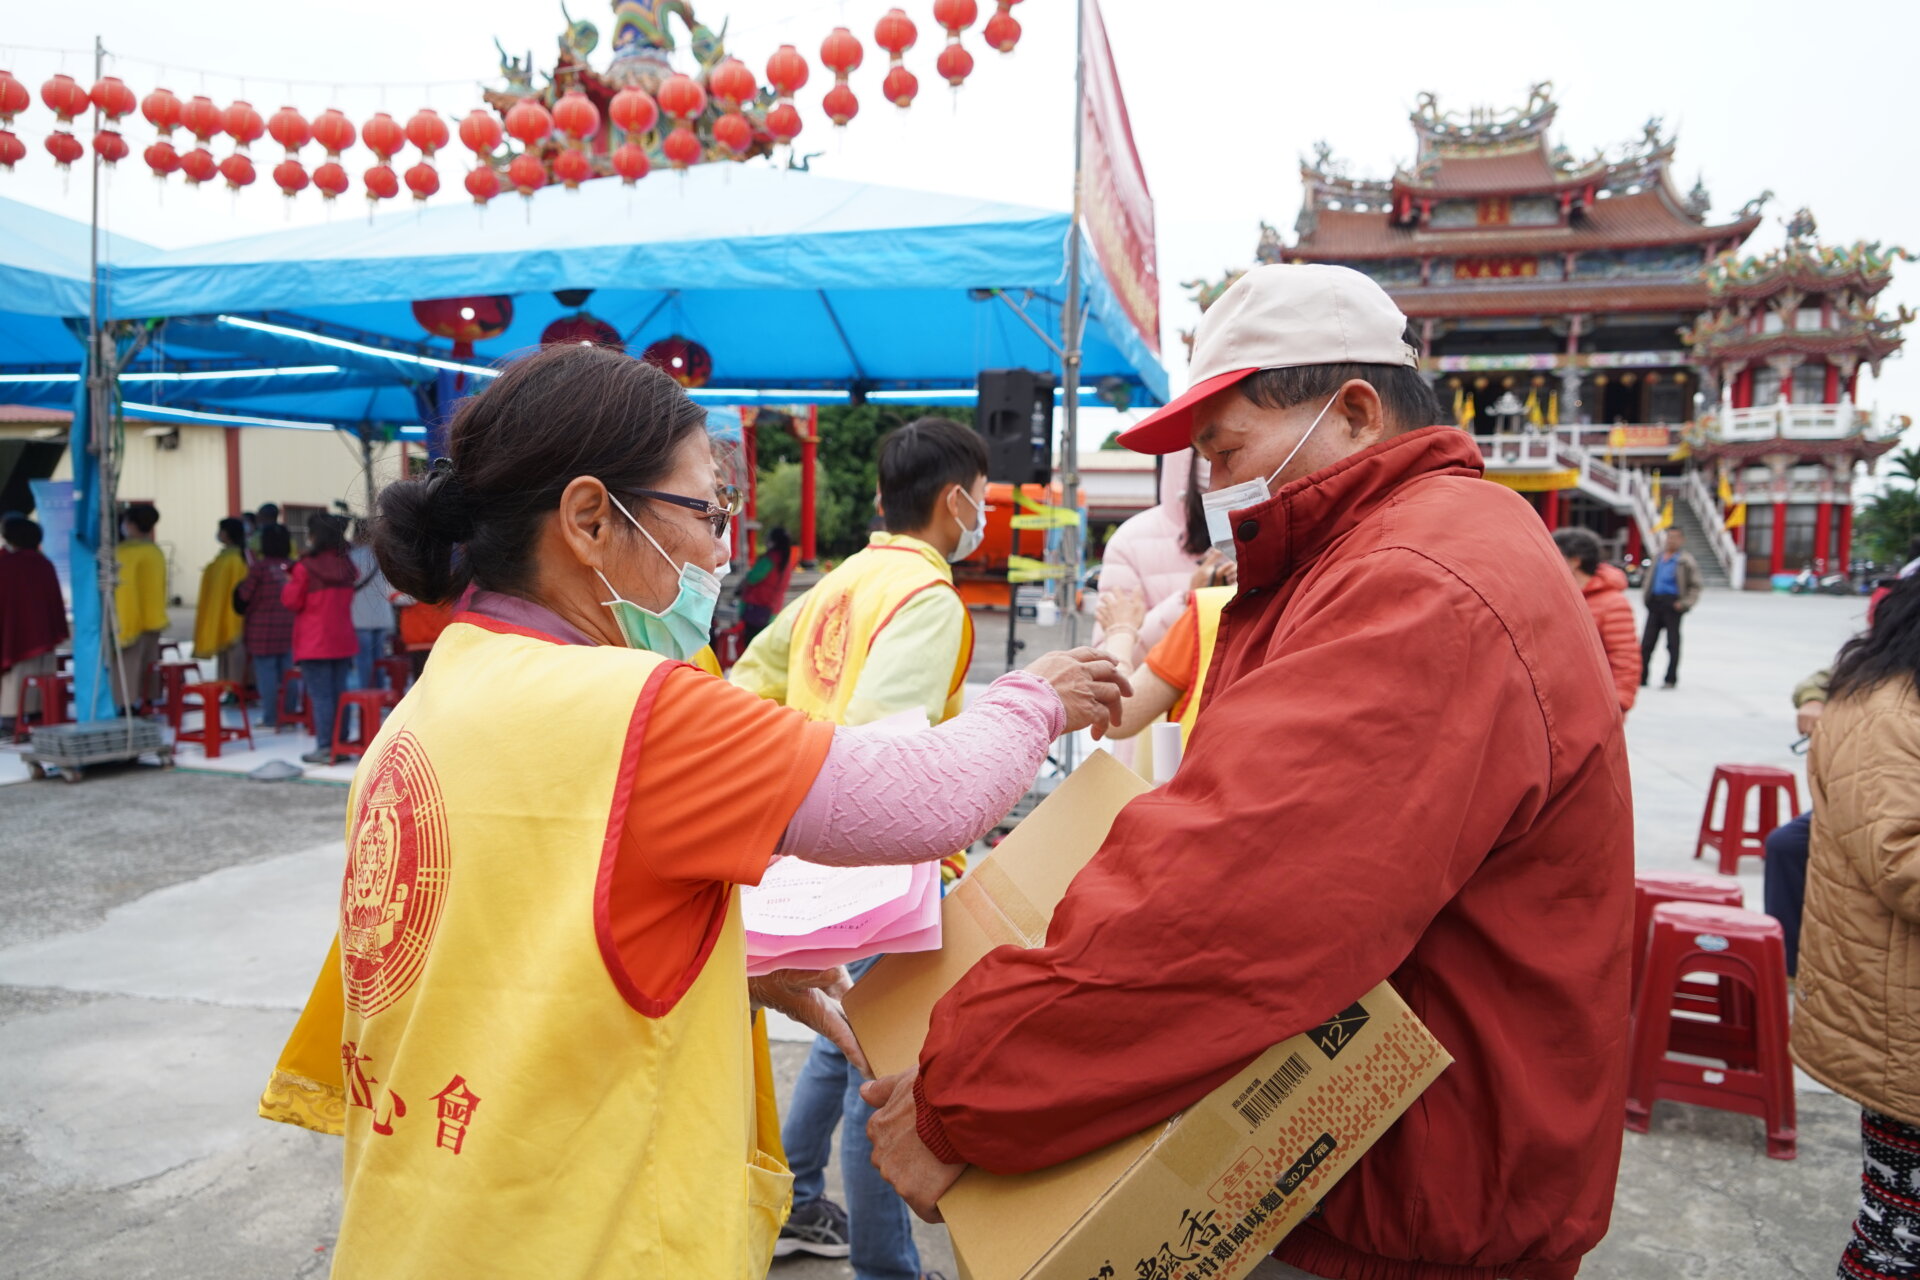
1170	429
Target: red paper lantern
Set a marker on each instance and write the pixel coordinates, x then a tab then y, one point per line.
427	131
630	162
572	168
332	130
14	97
528	122
110	146
734	132
382	182
64	148
954	64
1003	29
330	179
582	328
576	115
202	118
423	180
384	137
237	169
786	71
464	321
955	15
162	110
900	87
198	166
291	177
682	98
731	84
113	98
290	129
895	32
526	173
162	158
12	150
64	96
840	104
243	124
480	131
634	110
682	359
840	52
783	123
483	184
682	148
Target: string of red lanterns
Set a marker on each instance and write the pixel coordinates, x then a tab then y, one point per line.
728	88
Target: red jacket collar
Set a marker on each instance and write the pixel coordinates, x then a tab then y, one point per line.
1277	538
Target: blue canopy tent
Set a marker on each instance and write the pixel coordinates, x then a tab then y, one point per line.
801	288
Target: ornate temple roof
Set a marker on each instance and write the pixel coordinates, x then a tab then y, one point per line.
1643	219
1550	297
1805	265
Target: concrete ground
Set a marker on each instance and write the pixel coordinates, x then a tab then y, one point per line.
157	931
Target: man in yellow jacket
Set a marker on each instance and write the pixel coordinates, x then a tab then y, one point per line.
140	600
884	633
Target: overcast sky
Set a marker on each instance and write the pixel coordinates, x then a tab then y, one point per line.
1814	103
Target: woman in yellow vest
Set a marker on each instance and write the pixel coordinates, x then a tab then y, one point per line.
535	1029
217	626
1174	677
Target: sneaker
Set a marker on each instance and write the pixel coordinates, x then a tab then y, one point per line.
1671	684
818	1227
318	757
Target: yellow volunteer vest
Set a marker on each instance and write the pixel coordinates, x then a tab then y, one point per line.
1208	604
843	612
507	1113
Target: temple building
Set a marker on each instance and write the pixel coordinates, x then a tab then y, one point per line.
1597	331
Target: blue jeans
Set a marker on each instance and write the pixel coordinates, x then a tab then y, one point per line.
269	673
326	681
828	1094
1785	873
373	646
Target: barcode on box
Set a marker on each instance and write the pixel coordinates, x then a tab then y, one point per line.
1268	1094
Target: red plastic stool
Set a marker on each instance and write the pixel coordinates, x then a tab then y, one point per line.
1742	947
1733	838
56	704
214	731
300	713
395	671
173	678
1727	1002
372	705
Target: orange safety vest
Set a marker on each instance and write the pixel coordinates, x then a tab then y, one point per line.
506	1111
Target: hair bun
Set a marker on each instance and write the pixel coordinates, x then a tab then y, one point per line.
449	506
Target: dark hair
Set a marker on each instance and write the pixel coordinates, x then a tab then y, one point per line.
780	538
1581	545
270	512
276	541
563	412
1196	541
326	532
21	532
1889	649
1409	402
142	516
917	463
234	530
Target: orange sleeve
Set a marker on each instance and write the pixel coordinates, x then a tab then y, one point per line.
719	776
1176	659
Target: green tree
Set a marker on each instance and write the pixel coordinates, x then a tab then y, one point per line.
1906	465
1887	523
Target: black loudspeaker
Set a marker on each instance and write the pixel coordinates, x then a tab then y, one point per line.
1015	414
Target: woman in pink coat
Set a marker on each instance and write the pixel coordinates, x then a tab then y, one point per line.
320	593
1162	553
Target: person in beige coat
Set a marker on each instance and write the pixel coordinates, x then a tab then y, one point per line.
1857	1024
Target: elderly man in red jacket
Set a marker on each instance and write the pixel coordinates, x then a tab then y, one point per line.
1409	766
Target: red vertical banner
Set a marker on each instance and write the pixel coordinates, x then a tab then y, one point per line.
1115	205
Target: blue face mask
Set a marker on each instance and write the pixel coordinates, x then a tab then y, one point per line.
686	625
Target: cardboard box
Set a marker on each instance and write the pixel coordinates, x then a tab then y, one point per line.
1210	1192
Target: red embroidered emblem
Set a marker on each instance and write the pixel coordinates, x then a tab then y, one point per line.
396	881
826	659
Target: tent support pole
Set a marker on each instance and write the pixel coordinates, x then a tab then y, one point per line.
1073	323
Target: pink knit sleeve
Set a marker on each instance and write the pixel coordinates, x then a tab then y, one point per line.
915	797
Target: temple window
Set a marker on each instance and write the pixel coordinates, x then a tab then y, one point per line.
1766	386
1810	383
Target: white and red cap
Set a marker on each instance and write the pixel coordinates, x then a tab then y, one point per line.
1279	317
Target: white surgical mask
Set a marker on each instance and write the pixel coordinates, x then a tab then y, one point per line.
970	539
1221	503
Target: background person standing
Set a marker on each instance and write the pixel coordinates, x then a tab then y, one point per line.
33	616
372	610
269	623
1604	590
1673	587
141	600
320	593
217	626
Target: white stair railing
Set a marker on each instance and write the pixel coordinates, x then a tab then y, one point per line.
1720	540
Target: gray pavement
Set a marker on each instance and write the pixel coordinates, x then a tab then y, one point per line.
157	932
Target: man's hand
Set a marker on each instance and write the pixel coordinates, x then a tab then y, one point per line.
1808	715
899	1154
812	999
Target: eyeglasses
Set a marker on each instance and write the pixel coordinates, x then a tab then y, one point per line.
717	514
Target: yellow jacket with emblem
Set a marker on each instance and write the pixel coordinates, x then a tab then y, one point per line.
506	1112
